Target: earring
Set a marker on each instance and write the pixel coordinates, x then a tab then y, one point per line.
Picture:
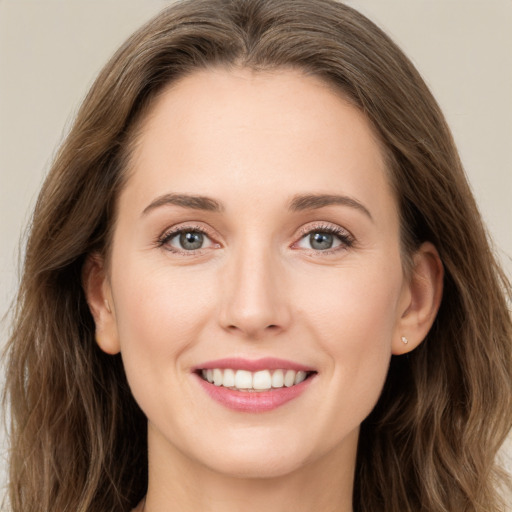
404	340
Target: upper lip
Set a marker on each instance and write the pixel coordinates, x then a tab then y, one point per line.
253	365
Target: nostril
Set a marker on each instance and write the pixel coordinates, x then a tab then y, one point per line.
235	328
253	329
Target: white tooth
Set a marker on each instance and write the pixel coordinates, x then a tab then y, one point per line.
203	373
243	379
289	378
217	377
300	377
209	375
278	379
262	380
229	378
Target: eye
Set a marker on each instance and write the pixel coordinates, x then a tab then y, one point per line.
186	240
319	241
325	239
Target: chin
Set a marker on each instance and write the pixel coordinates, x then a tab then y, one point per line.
254	457
258	467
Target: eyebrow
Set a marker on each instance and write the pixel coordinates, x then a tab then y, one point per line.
185	201
298	203
315	201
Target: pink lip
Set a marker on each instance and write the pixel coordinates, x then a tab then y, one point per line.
266	363
253	402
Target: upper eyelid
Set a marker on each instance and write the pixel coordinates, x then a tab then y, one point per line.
346	238
304	230
323	225
186	226
164	240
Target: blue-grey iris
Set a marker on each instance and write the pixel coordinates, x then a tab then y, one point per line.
191	240
321	241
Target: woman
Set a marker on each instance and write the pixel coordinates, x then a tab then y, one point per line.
256	277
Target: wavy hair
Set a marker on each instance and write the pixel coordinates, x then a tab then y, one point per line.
78	439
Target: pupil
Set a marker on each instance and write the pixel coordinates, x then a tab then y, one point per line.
191	240
321	241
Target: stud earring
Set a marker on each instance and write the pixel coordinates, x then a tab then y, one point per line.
404	340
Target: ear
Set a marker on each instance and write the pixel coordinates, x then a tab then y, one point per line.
99	298
420	301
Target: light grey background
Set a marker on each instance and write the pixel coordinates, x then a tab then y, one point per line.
51	50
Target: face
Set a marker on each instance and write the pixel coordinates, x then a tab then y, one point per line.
257	246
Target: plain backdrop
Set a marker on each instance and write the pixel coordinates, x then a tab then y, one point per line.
51	50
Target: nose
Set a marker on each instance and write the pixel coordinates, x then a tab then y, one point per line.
254	303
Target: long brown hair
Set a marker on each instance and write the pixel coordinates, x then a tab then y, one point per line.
78	439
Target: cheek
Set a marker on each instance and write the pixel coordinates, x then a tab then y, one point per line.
159	314
353	317
353	300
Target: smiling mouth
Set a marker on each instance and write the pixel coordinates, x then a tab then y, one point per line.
263	380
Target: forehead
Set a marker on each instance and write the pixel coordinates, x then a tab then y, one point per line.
219	132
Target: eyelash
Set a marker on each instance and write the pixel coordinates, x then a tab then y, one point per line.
346	239
168	235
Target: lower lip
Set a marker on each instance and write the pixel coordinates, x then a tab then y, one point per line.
254	401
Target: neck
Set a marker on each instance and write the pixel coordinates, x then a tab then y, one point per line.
177	483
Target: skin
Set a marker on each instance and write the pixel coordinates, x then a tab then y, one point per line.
252	142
